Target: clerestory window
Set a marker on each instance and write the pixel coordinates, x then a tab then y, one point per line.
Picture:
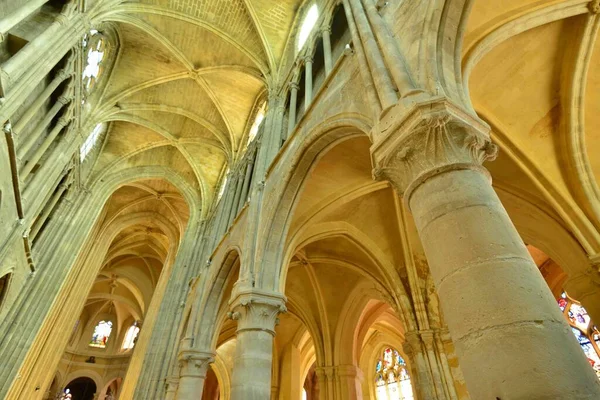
392	380
308	25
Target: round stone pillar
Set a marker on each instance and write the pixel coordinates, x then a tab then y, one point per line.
511	339
193	366
256	313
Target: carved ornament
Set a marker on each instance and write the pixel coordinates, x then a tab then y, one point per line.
432	137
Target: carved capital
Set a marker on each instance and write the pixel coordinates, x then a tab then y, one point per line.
257	311
294	86
430	138
412	346
171	384
594	6
194	363
427	338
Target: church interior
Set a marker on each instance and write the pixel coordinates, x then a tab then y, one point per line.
299	199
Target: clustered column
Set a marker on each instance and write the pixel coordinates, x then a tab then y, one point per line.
510	337
308	82
256	313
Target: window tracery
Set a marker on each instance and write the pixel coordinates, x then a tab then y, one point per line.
101	334
131	336
583	328
308	25
392	379
94	48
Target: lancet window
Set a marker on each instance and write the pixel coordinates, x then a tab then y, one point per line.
101	334
94	48
260	116
583	328
131	336
308	25
392	379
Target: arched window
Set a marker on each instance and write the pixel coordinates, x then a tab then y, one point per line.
307	25
223	185
260	116
392	380
131	336
585	331
101	334
304	395
94	47
90	142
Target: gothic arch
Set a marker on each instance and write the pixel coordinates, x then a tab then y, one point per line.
288	189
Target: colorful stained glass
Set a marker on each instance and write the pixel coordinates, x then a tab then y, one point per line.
101	334
392	377
585	331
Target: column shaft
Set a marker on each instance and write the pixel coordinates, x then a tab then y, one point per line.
308	83
379	71
9	21
494	299
47	210
35	106
424	383
292	113
193	368
326	32
256	316
40	151
27	143
505	324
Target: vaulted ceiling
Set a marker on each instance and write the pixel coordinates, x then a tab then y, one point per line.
186	82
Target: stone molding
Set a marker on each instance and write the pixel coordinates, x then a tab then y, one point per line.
432	137
257	310
194	363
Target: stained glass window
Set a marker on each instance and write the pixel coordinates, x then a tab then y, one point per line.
392	380
585	331
90	142
101	334
307	25
131	336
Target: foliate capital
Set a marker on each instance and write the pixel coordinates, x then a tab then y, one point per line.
594	6
194	363
431	137
258	311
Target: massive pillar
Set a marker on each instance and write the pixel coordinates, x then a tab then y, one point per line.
505	324
193	368
256	313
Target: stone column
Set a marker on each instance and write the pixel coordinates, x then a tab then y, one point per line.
40	151
256	313
171	389
326	382
193	366
9	21
41	99
348	382
427	338
326	32
423	381
292	115
502	317
308	82
445	366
